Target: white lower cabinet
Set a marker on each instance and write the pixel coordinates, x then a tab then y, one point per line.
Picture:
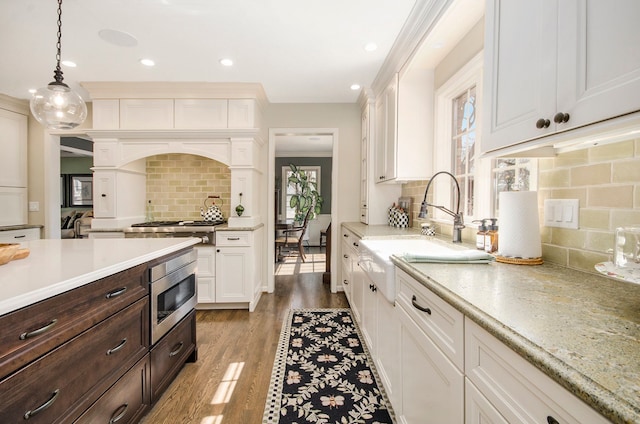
206	275
432	387
369	316
519	391
478	409
238	267
388	348
19	236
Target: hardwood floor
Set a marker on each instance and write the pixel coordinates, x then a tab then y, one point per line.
229	382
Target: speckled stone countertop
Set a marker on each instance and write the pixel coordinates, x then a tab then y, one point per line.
581	329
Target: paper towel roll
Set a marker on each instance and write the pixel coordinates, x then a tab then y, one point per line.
519	228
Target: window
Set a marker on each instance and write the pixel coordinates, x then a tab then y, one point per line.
313	173
458	143
463	146
510	175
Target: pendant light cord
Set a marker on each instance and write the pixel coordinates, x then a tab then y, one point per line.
57	74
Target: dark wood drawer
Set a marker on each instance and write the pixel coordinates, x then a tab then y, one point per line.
29	333
76	374
126	401
170	353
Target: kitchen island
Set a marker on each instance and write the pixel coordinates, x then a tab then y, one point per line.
581	330
78	327
58	265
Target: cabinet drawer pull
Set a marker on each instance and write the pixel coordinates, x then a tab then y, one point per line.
22	236
119	413
551	420
29	334
44	406
103	195
117	348
116	293
345	282
356	244
233	238
345	256
345	235
421	308
176	349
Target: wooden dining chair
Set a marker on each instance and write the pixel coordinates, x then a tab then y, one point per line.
294	237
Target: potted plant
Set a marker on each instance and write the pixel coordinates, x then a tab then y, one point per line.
306	195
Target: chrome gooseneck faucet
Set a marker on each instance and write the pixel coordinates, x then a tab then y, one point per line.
458	220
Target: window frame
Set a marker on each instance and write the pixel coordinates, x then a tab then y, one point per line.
469	75
285	183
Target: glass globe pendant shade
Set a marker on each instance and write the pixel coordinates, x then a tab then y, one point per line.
57	107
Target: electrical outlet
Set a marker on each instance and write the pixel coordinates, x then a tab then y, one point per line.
563	213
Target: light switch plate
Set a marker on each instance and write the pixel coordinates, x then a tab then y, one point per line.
563	213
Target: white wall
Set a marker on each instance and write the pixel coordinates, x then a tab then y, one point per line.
345	117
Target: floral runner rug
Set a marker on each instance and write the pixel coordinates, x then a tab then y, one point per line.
323	373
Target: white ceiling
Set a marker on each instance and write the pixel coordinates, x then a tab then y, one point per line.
300	50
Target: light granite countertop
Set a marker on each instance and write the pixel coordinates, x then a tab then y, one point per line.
581	329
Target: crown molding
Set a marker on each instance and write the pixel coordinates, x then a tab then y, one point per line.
423	17
14	105
175	90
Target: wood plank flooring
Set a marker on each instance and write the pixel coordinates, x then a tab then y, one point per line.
229	382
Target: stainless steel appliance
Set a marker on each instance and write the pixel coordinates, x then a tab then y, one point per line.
162	229
172	285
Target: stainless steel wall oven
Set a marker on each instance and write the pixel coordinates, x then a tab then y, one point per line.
173	292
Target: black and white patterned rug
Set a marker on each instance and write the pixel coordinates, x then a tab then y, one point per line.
323	373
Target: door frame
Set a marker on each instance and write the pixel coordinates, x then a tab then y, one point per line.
271	217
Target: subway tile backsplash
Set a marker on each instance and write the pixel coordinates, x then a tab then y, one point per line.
178	184
605	180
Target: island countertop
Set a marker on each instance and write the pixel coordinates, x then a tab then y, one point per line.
55	266
581	329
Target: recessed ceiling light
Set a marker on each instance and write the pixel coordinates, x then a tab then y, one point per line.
147	62
355	87
118	38
370	47
226	62
69	63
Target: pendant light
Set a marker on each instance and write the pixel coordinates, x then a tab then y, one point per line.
56	106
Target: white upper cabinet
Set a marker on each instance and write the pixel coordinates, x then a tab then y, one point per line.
553	66
13	139
404	127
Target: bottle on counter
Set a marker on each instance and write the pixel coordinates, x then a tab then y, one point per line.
149	217
480	235
491	236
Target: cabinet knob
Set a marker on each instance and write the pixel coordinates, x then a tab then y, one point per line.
345	256
561	118
543	123
551	420
103	195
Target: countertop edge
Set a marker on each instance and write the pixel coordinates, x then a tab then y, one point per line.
599	398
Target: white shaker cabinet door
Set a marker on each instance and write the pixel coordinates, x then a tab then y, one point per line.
432	388
13	142
598	60
519	71
233	274
104	194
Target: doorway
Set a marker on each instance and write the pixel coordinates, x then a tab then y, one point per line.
316	148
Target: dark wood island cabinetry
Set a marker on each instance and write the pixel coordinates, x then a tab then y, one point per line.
85	355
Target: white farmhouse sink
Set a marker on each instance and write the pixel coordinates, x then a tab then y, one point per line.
374	259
